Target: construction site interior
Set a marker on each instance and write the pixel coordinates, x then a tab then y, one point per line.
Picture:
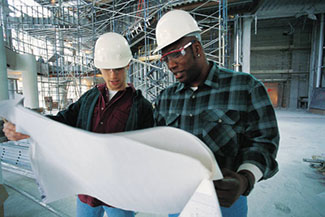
47	51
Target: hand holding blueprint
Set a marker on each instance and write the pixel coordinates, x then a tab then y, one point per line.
155	170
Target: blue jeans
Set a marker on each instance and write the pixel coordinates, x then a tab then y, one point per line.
238	209
84	210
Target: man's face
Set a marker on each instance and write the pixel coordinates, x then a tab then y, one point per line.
180	60
115	79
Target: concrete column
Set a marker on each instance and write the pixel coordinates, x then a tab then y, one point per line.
320	52
312	66
27	63
11	88
246	49
236	43
294	85
3	69
64	94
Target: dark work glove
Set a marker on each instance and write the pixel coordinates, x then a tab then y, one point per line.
230	187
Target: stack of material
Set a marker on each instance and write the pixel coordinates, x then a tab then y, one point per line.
15	157
318	162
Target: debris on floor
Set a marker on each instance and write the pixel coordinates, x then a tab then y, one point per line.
318	162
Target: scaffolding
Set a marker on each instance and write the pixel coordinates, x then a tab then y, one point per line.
61	35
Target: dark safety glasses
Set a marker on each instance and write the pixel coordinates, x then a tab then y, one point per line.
175	54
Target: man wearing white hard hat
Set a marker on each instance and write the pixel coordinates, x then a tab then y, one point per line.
111	107
229	111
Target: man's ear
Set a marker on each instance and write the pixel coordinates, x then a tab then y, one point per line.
197	49
127	67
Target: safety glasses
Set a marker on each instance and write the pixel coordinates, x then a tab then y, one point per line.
175	54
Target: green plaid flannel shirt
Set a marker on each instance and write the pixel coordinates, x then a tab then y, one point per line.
231	113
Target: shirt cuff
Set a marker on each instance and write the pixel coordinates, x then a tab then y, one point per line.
253	169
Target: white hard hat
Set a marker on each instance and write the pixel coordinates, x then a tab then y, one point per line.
174	25
112	51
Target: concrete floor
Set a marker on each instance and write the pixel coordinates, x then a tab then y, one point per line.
297	190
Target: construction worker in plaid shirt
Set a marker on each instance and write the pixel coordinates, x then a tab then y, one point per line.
229	111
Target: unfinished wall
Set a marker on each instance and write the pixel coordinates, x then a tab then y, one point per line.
280	54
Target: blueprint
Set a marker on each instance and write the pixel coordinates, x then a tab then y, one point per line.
156	170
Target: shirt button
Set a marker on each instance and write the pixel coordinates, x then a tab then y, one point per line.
191	115
101	123
219	121
102	108
193	97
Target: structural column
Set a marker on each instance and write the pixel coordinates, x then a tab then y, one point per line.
246	49
320	52
312	67
237	40
11	88
27	64
3	69
294	86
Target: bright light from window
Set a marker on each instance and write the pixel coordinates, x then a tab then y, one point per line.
29	7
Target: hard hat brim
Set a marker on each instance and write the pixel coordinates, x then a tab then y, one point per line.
116	65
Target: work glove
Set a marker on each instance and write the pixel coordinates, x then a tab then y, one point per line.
231	186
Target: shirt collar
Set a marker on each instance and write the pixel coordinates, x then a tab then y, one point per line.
180	86
213	76
101	87
130	85
211	80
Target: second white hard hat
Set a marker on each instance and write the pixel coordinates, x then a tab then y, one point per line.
112	51
172	26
